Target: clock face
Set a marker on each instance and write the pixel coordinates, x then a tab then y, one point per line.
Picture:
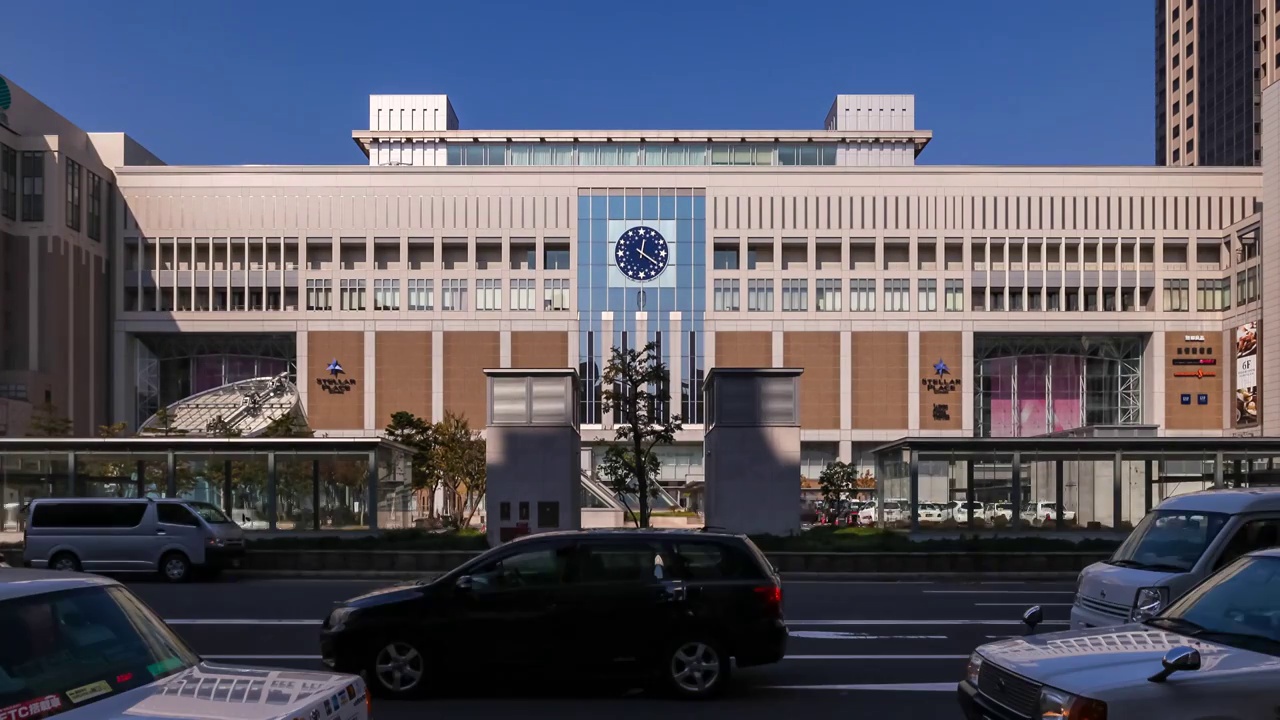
641	254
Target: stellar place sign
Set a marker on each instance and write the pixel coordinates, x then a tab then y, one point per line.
335	384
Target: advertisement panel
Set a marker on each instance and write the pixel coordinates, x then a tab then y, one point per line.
1247	374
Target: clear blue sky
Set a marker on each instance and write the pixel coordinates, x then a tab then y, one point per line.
277	81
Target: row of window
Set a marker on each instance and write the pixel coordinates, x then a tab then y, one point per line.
21	176
420	294
828	295
1212	295
651	154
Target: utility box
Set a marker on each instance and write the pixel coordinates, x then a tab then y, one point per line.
533	453
752	450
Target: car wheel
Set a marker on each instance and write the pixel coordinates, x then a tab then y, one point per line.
696	669
397	669
175	567
65	561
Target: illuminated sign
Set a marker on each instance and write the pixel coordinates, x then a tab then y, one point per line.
1195	361
1196	374
942	382
1193	338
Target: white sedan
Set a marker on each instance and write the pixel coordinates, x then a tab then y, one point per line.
1045	513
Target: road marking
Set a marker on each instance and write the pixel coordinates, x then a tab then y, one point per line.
240	621
904	623
878	657
833	635
998	592
259	657
1021	604
888	687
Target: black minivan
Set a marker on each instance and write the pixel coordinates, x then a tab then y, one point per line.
670	607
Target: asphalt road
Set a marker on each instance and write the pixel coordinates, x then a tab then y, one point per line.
894	649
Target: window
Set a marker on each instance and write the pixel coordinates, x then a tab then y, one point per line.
1253	535
725	259
555	259
1213	295
1177	295
88	515
760	295
532	568
421	294
617	562
955	295
897	295
725	295
32	186
1246	286
524	294
795	295
488	294
997	299
862	295
174	514
1052	299
555	294
319	294
94	230
714	561
386	294
453	295
548	514
927	297
351	294
8	182
827	295
73	194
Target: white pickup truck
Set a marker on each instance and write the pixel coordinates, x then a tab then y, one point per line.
1045	513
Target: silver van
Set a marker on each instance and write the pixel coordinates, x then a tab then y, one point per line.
172	537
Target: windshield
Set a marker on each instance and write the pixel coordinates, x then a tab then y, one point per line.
210	513
1169	540
1239	606
75	647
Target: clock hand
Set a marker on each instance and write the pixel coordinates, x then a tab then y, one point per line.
646	257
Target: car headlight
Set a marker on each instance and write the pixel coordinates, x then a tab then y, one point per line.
975	667
1058	704
339	617
1150	601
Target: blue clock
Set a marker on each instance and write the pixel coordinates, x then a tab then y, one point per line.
641	254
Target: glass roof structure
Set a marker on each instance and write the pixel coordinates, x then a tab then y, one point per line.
247	406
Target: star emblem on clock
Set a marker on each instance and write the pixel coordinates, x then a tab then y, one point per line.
641	254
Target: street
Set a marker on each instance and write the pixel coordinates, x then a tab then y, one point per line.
894	649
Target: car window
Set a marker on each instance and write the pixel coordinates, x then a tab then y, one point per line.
88	514
75	647
714	561
540	567
210	513
1170	539
619	563
173	514
1236	606
1253	535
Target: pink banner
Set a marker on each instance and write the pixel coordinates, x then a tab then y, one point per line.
1064	392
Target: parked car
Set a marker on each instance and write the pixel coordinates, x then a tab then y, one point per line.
1179	543
1045	513
932	513
671	607
961	511
1213	653
169	536
83	647
995	511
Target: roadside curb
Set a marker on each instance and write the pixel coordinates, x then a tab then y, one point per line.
831	577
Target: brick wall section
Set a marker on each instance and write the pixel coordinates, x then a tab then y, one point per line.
466	356
818	354
539	349
335	411
947	347
879	380
404	375
744	349
1215	383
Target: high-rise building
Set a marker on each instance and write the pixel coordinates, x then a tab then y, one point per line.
1213	58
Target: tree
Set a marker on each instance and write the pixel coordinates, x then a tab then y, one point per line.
420	436
293	476
837	483
635	388
48	422
163	424
459	457
116	468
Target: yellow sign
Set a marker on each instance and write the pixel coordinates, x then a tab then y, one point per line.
88	692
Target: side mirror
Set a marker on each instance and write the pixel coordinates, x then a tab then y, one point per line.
1179	659
1033	617
464	584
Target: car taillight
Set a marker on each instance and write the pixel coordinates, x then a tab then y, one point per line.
368	703
771	595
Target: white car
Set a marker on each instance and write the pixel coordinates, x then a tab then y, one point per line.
894	511
932	512
961	511
1214	653
999	510
82	647
1045	513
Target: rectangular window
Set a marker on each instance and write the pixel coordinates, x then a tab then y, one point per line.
862	295
351	294
760	295
997	300
524	294
725	295
795	295
827	295
897	295
927	296
488	294
8	182
319	294
1213	295
726	259
453	295
386	294
73	195
1033	299
555	294
32	186
955	295
1052	299
94	230
1246	286
1177	295
421	294
1015	299
555	259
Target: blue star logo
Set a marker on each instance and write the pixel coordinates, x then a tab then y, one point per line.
335	369
940	368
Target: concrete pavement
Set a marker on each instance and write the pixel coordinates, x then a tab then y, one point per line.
892	648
